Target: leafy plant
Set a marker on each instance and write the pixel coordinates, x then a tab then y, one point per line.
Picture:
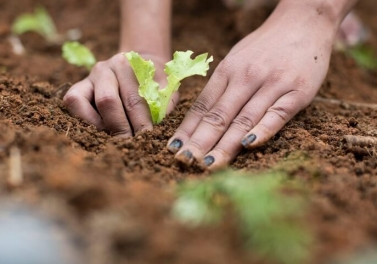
39	21
268	217
77	54
181	67
364	56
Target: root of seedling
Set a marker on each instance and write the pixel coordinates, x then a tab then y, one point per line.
16	44
15	168
361	144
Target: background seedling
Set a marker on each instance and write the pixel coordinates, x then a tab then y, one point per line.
268	218
364	56
77	54
181	67
39	21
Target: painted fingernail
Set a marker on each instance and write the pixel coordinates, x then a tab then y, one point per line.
185	157
248	140
175	145
209	160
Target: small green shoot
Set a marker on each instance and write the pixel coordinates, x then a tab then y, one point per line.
181	67
364	56
77	54
39	21
268	217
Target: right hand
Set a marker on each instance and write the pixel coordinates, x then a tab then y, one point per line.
109	98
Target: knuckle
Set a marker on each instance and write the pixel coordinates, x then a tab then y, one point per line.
276	77
284	112
225	155
200	106
250	73
216	118
99	66
224	67
244	122
118	59
106	102
70	99
300	82
302	97
132	101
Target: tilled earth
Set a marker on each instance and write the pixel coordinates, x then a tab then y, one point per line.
115	195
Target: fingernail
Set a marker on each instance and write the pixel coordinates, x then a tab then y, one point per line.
248	140
175	145
186	157
209	160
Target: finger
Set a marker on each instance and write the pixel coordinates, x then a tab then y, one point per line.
173	102
216	121
230	144
284	109
108	102
206	100
137	109
78	99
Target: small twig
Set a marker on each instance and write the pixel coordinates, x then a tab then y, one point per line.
361	141
67	132
16	44
361	144
15	165
344	103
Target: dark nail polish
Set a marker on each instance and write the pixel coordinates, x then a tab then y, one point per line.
187	154
209	160
248	140
185	157
175	145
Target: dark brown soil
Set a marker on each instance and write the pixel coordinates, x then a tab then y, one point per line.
116	194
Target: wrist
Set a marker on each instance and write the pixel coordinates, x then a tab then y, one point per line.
329	12
146	27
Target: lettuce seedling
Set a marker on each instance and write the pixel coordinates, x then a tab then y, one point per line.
181	67
39	21
268	218
77	54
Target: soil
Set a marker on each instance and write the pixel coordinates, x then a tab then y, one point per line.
114	195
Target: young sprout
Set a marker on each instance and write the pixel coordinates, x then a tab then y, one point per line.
77	54
181	67
268	218
364	56
39	21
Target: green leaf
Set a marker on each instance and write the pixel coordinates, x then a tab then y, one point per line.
364	56
77	54
148	89
39	21
269	219
180	67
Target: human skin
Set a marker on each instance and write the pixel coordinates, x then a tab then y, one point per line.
266	79
111	85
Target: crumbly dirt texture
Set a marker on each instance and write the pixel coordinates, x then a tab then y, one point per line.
115	195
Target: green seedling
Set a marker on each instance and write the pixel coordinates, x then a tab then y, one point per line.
364	56
181	67
269	219
39	21
77	54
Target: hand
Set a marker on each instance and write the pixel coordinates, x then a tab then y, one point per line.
261	84
109	98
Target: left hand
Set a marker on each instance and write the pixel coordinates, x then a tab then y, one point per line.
265	80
